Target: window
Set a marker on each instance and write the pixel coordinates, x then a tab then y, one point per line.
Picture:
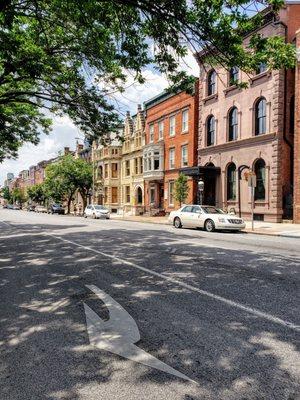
151	133
171	192
185	120
210	130
171	158
172	126
114	194
260	172
136	165
127	194
184	156
127	167
100	172
196	209
141	165
114	170
160	129
233	76
233	124
187	209
156	160
106	194
260	117
105	170
262	67
211	83
231	182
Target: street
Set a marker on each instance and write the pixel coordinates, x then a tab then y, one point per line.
107	309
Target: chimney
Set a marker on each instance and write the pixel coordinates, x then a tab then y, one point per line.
66	150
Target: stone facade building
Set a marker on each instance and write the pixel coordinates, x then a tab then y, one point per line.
132	183
171	145
107	174
249	129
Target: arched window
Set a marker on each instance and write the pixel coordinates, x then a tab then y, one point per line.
292	115
231	182
260	117
210	130
211	82
233	124
233	76
260	172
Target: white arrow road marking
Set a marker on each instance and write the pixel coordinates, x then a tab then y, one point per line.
119	333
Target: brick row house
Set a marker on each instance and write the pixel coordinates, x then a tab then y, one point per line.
171	145
249	128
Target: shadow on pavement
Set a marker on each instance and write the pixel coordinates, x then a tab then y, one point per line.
230	353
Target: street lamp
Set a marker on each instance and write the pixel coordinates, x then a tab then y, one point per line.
200	190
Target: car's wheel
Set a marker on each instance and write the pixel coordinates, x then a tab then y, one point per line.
85	216
177	223
209	225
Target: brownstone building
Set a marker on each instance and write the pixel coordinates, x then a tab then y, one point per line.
171	144
251	129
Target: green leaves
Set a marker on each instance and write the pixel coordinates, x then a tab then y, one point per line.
181	188
65	56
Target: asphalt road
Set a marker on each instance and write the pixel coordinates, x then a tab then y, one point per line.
221	309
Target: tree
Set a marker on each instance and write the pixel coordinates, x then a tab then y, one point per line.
37	193
69	56
6	194
18	196
181	189
66	176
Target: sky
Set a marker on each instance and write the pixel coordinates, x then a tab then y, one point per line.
65	134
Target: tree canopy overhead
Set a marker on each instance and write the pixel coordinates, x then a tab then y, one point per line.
68	55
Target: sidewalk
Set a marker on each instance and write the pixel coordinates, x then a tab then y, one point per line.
260	228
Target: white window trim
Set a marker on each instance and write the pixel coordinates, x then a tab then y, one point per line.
185	112
172	150
187	155
173	118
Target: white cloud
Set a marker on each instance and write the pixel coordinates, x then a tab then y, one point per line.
64	132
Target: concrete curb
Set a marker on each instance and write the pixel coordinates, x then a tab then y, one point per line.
248	231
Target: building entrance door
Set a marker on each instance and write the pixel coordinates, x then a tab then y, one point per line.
210	190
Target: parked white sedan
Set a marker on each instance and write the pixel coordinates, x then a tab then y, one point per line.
207	217
96	211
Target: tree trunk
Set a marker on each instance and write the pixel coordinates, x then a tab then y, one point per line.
69	202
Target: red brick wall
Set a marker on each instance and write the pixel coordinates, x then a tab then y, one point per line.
174	106
297	139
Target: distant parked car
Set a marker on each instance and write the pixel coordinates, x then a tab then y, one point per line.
10	206
207	217
96	211
41	209
30	208
16	207
4	206
56	209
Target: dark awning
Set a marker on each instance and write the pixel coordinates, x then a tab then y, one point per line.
202	170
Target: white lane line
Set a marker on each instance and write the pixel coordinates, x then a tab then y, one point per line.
119	334
213	296
5	223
